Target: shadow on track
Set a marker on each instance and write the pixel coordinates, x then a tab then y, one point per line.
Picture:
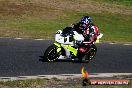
61	60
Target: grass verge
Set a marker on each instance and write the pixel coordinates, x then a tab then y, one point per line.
39	19
32	83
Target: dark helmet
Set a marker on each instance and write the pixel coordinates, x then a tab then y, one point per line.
86	20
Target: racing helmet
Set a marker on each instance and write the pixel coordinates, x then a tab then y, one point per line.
85	22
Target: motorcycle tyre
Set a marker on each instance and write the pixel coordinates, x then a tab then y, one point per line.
51	49
92	50
87	57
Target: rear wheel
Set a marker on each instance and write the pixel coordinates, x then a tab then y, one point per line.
91	53
51	54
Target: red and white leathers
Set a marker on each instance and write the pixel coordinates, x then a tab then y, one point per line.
92	32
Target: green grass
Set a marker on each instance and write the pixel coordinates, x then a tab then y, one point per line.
29	83
116	27
38	19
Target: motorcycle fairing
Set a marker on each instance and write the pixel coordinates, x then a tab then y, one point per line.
69	47
58	46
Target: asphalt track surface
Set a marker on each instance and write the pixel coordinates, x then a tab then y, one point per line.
23	58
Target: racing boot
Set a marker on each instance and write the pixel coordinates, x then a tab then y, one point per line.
73	57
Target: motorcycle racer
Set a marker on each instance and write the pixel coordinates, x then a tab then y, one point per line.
88	30
76	42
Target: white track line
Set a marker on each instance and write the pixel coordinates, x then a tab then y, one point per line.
18	38
39	39
127	44
96	43
112	43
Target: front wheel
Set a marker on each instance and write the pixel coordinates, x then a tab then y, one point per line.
51	54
